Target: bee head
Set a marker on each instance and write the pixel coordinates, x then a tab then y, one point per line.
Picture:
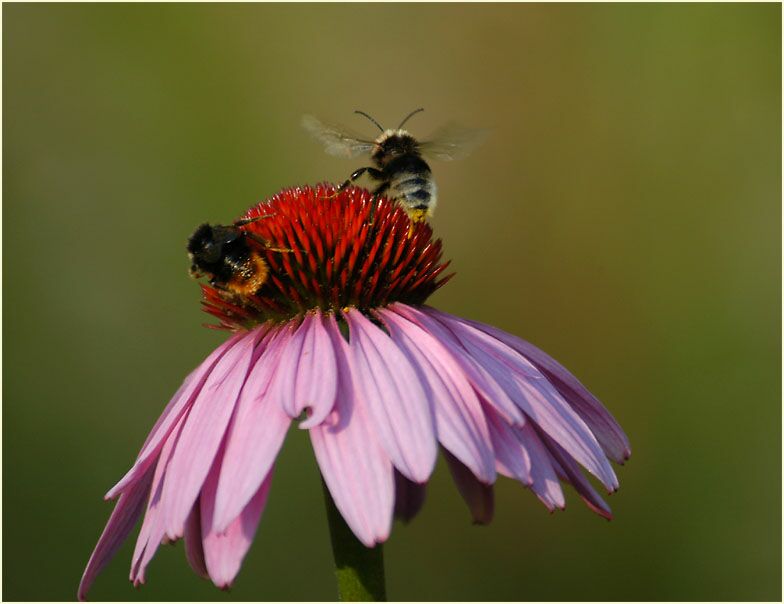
393	144
206	246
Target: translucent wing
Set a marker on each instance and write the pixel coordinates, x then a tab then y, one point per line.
336	140
453	142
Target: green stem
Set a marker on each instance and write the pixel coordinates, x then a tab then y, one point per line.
358	569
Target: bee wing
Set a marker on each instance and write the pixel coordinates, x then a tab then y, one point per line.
453	142
336	139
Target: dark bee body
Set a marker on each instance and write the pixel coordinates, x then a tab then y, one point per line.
399	168
404	175
224	255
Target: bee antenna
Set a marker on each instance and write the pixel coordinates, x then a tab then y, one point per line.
370	118
409	116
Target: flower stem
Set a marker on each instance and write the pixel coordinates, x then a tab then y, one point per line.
359	570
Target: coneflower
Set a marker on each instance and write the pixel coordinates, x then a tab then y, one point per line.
339	339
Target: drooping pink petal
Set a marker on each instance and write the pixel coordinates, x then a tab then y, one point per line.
121	522
483	346
512	458
194	550
477	495
178	405
401	413
545	482
539	400
460	421
254	438
521	455
306	377
553	415
203	432
601	422
409	497
224	552
480	378
153	528
357	471
570	472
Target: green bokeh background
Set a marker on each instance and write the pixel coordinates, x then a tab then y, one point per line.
624	216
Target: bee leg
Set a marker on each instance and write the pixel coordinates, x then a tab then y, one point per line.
372	172
267	245
380	190
245	221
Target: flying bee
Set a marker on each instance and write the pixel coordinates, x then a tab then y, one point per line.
399	168
225	255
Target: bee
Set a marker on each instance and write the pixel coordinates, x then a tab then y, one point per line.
225	255
399	168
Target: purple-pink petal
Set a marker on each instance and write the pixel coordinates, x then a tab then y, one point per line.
401	413
355	468
194	549
570	472
409	497
319	386
480	378
121	522
153	528
178	405
553	415
483	347
601	422
203	432
460	421
224	551
477	495
512	458
540	401
254	437
545	482
306	377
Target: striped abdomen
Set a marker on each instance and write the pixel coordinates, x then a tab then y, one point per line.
415	190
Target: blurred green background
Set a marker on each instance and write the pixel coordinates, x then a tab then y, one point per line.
624	216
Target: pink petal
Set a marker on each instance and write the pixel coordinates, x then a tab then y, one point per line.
460	420
152	530
124	516
254	438
607	431
178	405
306	377
477	495
512	458
391	391
570	472
481	379
202	433
553	415
354	466
224	552
409	497
318	383
545	480
483	346
539	400
194	550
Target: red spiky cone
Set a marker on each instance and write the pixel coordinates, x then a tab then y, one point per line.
347	250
